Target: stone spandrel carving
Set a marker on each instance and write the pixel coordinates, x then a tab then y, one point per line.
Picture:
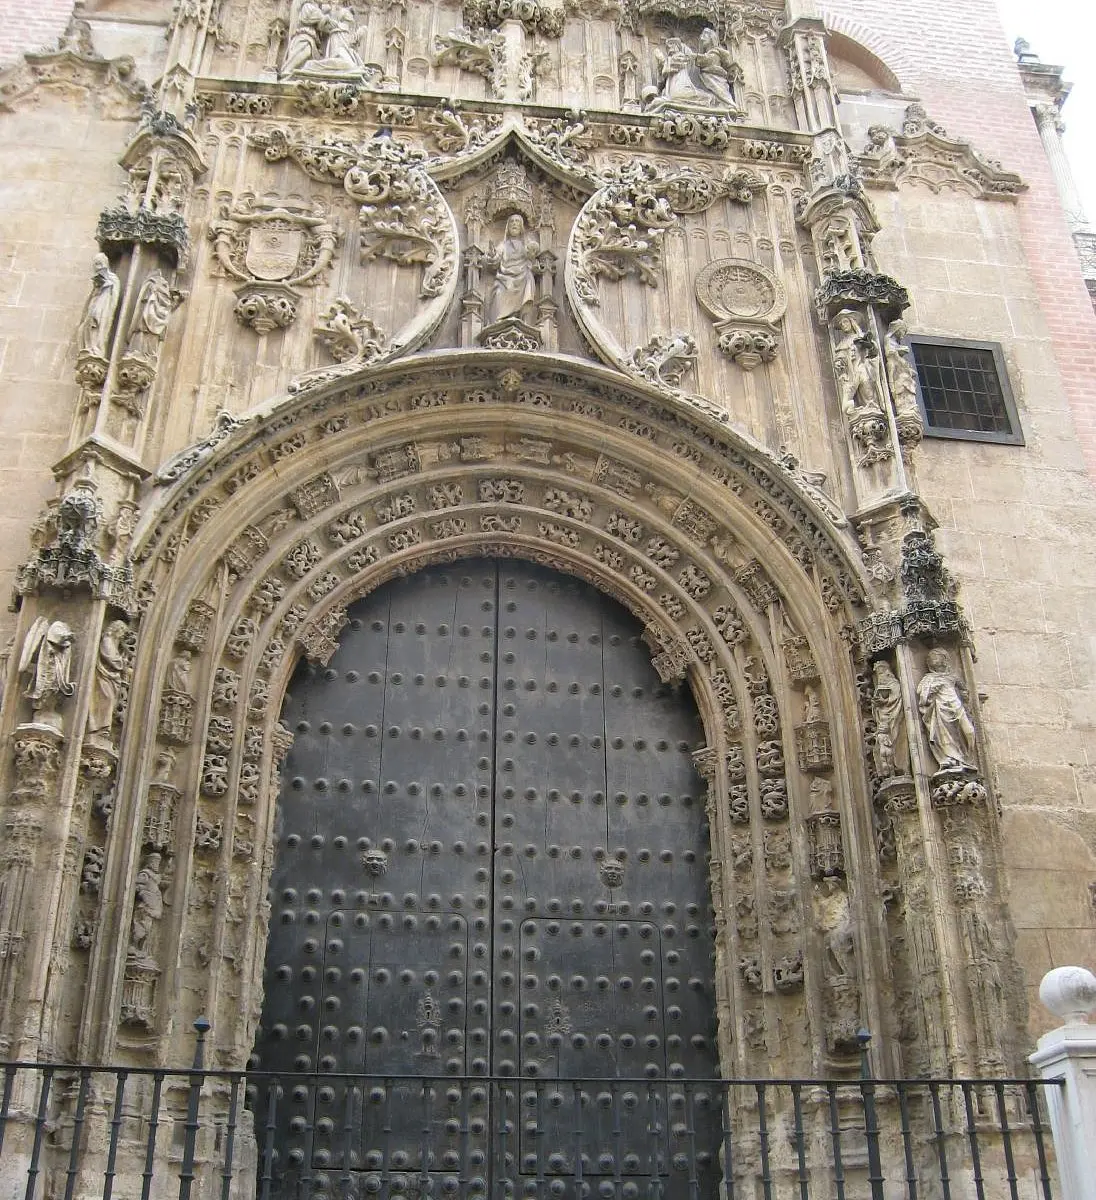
702	80
272	250
948	727
322	41
46	661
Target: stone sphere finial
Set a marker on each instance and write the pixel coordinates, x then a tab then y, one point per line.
1069	993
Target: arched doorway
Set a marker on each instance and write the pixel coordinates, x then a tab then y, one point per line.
491	875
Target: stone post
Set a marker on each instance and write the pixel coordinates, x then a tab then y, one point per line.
1069	1053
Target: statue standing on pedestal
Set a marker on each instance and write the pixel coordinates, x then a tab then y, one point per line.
514	290
102	304
944	715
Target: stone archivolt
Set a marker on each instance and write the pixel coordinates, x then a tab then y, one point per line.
435	461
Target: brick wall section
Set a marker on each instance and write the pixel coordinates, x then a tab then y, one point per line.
34	26
957	59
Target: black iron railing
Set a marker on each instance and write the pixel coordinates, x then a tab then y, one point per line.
112	1133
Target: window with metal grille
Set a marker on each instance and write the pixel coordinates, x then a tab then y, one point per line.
964	390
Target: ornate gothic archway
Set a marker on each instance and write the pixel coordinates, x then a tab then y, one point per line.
742	573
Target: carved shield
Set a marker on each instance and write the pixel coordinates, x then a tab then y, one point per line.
273	253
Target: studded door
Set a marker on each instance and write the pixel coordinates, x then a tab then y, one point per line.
489	906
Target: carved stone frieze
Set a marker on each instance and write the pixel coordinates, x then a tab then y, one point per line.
922	152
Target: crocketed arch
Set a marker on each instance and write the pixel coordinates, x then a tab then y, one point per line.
260	542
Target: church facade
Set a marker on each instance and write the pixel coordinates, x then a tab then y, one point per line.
485	475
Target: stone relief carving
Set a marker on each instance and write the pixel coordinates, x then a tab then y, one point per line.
46	658
702	79
272	250
321	40
923	152
75	66
746	301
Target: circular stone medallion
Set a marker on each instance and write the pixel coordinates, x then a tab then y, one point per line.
735	289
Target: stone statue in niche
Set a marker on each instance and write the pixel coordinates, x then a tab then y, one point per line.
109	677
321	41
155	302
944	715
890	750
102	304
812	705
835	919
513	291
47	658
903	384
178	673
856	358
702	79
821	791
148	910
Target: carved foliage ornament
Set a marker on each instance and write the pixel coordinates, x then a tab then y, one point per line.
620	230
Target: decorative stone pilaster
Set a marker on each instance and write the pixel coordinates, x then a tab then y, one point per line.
812	90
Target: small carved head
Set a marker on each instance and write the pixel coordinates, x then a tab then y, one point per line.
515	225
937	660
375	861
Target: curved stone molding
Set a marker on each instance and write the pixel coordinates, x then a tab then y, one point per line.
618	235
447	456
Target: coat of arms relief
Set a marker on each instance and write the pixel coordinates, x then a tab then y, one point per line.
273	250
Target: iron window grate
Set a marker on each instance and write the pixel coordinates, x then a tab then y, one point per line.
964	390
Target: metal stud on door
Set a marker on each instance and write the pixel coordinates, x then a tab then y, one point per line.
489	906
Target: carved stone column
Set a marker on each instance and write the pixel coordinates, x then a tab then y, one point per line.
1048	120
